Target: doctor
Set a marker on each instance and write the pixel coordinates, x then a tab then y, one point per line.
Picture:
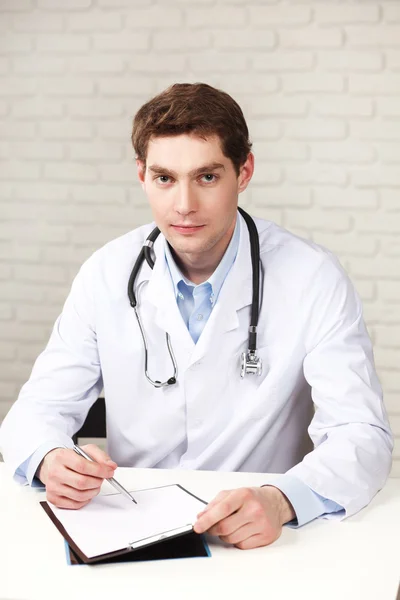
193	160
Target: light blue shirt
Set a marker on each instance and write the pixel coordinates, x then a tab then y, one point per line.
195	303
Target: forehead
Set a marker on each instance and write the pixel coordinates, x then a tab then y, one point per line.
184	151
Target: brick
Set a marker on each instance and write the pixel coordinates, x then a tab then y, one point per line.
391	12
15	43
389	291
380	267
277	106
264	129
310	37
234	85
96	150
391	382
6	272
43	191
312	82
283	61
270	214
282	150
342	106
351	61
316	174
379	222
66	43
319	220
29	352
66	86
94	20
64	255
388	107
122	3
390	153
380	314
217	16
39	233
60	4
16	5
102	64
147	17
71	171
376	130
265	173
395	424
17	86
155	63
282	196
66	130
23	332
395	470
35	108
366	289
390	246
261	16
8	351
390	199
95	235
364	36
36	314
392	403
37	150
125	41
98	194
126	86
19	170
39	273
351	198
377	176
316	129
16	130
6	312
121	172
180	41
39	21
347	151
242	39
3	108
39	65
332	14
15	291
19	252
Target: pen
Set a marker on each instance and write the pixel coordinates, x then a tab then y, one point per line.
111	480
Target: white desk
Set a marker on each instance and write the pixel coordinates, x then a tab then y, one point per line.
358	558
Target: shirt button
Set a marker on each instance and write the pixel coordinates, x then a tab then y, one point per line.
199	317
181	296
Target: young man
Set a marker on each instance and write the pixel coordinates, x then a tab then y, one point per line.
194	159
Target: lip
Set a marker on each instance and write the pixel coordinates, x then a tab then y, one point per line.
187	229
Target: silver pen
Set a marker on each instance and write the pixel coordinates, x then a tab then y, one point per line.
111	480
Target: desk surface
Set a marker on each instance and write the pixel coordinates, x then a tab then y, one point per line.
357	558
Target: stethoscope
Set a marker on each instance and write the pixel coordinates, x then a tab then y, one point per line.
250	362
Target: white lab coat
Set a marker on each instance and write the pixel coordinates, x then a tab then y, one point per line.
312	341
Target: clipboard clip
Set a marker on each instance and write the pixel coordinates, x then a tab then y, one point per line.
161	536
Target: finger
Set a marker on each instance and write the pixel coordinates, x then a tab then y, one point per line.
67	503
78	480
241	534
218	497
255	541
231	524
99	455
222	509
71	493
86	467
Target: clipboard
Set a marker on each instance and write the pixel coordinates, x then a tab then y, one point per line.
164	513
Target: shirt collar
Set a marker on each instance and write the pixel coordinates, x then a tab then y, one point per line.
218	277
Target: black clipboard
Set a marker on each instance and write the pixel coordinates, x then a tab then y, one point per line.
189	543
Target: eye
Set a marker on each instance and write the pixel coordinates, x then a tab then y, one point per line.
208	175
162	179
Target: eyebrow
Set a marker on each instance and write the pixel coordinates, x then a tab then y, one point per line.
204	169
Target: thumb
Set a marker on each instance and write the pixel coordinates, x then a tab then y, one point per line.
99	455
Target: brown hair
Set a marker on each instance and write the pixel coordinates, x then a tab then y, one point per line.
193	108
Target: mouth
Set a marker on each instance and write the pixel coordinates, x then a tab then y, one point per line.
187	229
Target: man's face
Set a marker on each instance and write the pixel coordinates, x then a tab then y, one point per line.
193	192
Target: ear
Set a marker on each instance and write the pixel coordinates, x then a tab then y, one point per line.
141	171
246	173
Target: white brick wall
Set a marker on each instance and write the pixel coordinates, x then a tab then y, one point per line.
319	82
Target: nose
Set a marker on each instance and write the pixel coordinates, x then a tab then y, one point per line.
186	201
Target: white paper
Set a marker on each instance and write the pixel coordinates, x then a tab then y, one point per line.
111	522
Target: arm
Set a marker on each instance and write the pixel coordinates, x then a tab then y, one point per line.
64	383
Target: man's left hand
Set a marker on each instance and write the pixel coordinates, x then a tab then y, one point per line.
246	517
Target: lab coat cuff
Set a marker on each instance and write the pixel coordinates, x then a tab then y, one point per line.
307	505
28	469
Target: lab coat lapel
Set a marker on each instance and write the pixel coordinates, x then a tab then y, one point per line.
235	294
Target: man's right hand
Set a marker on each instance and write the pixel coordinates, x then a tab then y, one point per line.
72	481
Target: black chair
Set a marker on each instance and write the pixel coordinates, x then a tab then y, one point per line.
95	422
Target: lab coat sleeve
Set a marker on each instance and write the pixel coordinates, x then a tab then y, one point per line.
64	383
352	440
